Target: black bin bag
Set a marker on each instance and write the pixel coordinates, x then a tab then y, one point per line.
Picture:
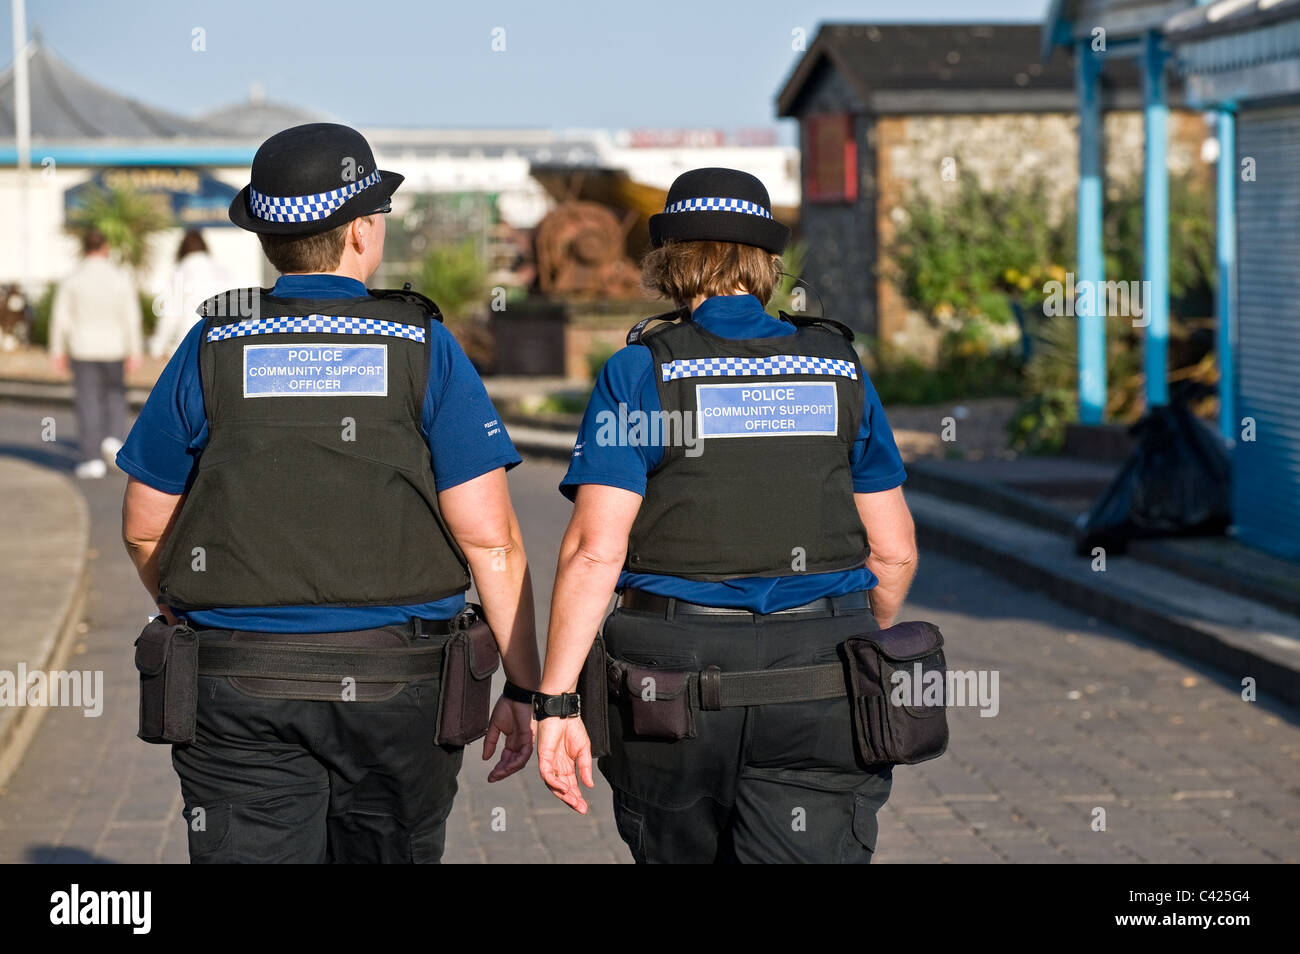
1174	483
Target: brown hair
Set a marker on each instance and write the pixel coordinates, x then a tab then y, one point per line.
682	271
92	240
320	252
192	242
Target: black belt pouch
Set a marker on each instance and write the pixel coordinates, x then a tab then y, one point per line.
892	723
661	702
168	659
593	690
470	659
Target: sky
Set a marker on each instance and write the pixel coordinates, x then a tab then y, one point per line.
565	64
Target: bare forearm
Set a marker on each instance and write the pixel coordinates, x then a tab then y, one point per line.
505	589
144	554
888	595
583	586
148	516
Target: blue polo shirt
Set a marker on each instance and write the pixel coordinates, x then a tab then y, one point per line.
164	447
628	378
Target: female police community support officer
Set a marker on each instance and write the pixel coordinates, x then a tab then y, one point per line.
326	466
728	473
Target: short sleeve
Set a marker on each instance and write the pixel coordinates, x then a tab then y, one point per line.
877	464
466	436
163	447
624	386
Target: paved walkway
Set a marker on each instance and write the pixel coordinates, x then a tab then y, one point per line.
1091	717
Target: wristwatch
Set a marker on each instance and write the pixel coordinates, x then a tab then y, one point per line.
566	705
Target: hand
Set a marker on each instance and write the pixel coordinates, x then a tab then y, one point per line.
560	743
514	720
131	364
59	363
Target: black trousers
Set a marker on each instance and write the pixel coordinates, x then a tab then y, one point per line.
302	781
774	783
100	404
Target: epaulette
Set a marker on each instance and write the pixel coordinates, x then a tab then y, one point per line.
638	333
232	301
406	294
807	321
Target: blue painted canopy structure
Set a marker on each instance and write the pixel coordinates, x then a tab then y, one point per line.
1097	31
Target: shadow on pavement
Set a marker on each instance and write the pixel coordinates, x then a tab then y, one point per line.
64	855
63	459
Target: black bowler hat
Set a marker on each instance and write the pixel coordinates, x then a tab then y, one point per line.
309	179
718	205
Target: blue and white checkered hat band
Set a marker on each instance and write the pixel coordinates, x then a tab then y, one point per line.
305	208
319	324
718	205
746	367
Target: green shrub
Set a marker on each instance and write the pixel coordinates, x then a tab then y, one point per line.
961	371
40	331
597	356
962	256
455	277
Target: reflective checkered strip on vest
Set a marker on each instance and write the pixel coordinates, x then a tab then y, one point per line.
315	324
743	367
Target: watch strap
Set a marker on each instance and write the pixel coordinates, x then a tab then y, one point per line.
517	693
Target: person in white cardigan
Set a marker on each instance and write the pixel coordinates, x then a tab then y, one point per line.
197	277
95	324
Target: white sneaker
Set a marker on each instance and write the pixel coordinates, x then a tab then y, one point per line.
91	469
109	448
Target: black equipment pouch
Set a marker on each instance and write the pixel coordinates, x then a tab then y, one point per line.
891	722
593	690
168	659
660	700
471	657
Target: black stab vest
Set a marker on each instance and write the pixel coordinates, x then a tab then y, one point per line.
316	485
770	492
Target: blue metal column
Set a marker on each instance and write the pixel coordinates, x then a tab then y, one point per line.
1226	296
1156	216
1091	262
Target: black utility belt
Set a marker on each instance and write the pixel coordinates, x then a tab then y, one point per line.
660	704
316	663
353	667
641	601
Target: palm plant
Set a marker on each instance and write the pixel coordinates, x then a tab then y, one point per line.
128	219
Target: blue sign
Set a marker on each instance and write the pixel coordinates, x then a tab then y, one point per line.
315	370
194	198
767	410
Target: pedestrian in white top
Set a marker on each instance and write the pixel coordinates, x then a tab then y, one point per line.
96	324
198	276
